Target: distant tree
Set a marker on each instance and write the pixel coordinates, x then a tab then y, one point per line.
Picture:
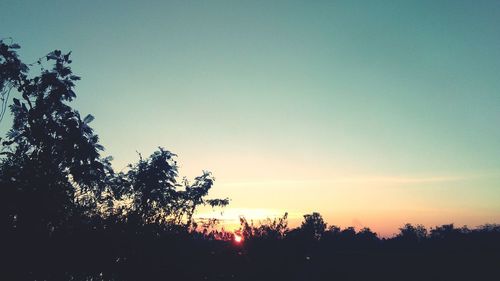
445	231
412	233
313	225
349	231
274	229
366	234
492	228
270	229
333	229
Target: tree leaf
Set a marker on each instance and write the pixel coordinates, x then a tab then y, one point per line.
89	118
66	56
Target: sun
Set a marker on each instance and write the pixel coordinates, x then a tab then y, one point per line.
238	239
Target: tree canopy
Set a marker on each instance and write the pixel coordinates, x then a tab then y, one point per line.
52	168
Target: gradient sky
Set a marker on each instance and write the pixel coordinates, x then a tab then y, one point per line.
373	113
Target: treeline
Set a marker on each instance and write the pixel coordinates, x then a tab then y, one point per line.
316	251
115	249
65	214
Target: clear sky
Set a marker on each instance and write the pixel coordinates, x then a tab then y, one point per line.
373	113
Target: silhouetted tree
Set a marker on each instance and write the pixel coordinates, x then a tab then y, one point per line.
273	229
158	196
52	157
276	228
444	231
366	234
412	233
313	225
50	153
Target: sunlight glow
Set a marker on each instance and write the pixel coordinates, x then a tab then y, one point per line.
238	239
230	217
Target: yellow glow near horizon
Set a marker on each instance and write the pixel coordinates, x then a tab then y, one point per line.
229	218
382	203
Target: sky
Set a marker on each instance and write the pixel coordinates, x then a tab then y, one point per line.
373	113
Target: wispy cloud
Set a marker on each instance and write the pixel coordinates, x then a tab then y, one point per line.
346	180
359	180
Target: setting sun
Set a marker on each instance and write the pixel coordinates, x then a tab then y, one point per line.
238	239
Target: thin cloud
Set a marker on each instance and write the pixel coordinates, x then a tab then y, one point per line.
353	180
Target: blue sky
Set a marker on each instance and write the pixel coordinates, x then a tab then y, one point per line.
372	112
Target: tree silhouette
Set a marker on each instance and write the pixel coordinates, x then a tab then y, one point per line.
157	194
412	233
52	165
313	225
50	151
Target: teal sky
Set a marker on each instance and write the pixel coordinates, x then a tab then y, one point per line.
374	113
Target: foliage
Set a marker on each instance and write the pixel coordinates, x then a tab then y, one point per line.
50	152
313	225
276	228
52	167
412	233
157	194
